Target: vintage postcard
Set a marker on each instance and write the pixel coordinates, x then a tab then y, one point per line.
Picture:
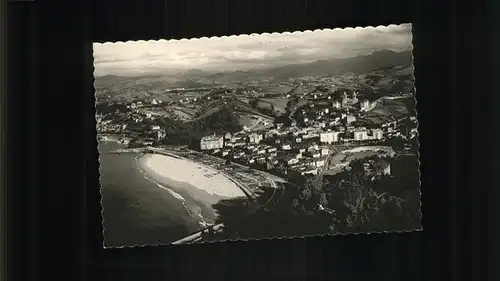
257	136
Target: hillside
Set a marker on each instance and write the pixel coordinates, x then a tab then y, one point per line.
356	65
234	105
190	133
194	78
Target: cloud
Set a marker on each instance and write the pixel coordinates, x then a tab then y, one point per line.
246	51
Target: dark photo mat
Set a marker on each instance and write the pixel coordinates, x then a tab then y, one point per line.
54	227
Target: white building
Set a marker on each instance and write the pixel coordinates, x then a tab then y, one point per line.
360	135
364	105
309	171
271	149
161	134
349	119
316	154
378	134
255	138
336	105
212	142
354	97
319	163
329	137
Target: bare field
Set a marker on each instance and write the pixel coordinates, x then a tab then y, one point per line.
386	111
182	113
278	103
344	157
248	121
391	108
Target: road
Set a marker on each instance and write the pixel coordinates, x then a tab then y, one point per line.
323	169
374	103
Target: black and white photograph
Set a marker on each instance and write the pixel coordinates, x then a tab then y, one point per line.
244	137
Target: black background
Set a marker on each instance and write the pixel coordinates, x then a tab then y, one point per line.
54	228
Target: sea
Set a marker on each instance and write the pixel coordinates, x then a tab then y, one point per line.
136	210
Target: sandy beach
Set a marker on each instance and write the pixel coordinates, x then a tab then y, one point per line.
193	174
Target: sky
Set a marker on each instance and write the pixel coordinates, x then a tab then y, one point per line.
244	52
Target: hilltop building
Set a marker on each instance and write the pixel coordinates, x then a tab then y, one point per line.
212	142
364	105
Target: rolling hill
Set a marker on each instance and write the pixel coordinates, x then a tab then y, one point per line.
198	78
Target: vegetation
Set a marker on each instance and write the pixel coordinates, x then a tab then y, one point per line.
190	133
110	108
346	202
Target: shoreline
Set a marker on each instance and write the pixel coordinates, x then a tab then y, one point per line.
193	210
199	176
190	186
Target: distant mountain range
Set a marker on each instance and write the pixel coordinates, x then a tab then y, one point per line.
356	65
197	78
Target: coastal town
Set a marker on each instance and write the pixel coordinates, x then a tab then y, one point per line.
304	142
258	149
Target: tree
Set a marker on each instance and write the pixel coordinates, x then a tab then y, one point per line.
323	199
305	193
291	104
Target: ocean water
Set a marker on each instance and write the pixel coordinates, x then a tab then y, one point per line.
137	210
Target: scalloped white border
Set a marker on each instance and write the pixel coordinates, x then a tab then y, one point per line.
298	33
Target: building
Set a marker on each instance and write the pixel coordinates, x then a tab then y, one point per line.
364	105
310	170
354	97
329	137
316	154
211	142
292	161
336	105
255	138
344	98
160	134
271	149
378	134
349	119
360	135
320	163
